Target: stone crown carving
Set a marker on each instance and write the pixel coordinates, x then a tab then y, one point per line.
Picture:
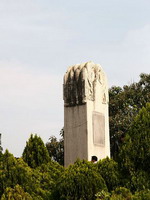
79	83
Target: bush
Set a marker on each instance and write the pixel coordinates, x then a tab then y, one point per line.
142	195
35	153
16	193
16	172
140	180
48	176
108	169
121	193
103	195
79	181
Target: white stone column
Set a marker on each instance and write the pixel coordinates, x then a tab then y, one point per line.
86	126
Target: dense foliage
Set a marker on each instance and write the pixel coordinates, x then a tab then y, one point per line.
124	105
136	146
55	148
39	174
79	181
135	153
38	182
16	193
109	170
35	152
1	149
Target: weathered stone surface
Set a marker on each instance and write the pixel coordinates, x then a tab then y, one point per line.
86	129
80	82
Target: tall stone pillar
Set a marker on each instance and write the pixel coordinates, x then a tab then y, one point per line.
86	126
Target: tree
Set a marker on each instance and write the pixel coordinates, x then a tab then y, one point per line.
48	176
56	148
79	181
1	149
15	171
35	153
121	193
7	166
108	169
142	195
16	193
38	182
123	107
136	144
135	152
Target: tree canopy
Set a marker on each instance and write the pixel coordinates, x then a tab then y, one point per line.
55	148
35	153
124	105
135	152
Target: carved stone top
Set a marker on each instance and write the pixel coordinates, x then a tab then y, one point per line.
79	83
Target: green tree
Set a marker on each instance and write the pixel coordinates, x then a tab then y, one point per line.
38	182
1	149
108	169
79	181
35	153
16	193
121	193
7	166
49	175
124	105
103	195
15	171
56	148
142	195
135	153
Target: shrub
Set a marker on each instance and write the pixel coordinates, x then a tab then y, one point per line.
142	195
103	195
108	169
80	181
16	193
121	193
140	180
35	153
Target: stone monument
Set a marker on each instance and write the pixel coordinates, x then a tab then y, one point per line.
86	126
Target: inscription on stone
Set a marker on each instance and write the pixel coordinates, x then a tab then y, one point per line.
98	128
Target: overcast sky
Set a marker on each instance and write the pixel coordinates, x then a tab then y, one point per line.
39	39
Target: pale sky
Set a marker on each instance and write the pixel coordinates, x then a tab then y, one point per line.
39	39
